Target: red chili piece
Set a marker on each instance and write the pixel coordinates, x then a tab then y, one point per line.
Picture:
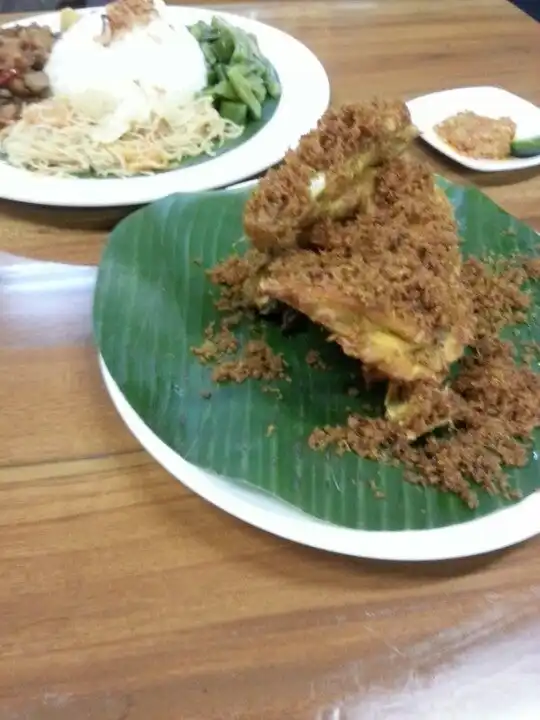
7	76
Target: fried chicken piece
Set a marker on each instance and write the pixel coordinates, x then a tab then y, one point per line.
385	284
331	174
372	255
390	329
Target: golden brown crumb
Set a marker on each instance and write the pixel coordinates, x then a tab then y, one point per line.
215	344
478	136
532	268
314	360
257	361
497	297
238	277
270	430
530	353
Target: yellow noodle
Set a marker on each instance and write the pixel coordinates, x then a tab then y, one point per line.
55	138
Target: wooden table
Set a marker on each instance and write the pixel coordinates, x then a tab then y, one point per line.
124	597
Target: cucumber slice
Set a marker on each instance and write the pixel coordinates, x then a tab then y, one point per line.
528	147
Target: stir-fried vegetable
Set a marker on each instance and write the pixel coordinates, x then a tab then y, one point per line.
240	78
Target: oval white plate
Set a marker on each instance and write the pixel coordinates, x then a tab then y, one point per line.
493	532
429	110
305	96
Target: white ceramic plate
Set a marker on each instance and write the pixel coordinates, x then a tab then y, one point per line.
305	96
493	532
429	110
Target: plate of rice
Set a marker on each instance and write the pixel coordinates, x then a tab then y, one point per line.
125	104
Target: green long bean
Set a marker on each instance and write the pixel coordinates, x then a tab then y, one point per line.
240	77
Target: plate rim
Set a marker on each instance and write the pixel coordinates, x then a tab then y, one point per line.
485	166
293	118
501	529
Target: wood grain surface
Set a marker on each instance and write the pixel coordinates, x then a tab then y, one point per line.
124	597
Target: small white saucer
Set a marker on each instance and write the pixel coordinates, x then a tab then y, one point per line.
429	110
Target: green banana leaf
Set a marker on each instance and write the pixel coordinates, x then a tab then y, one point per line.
153	302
